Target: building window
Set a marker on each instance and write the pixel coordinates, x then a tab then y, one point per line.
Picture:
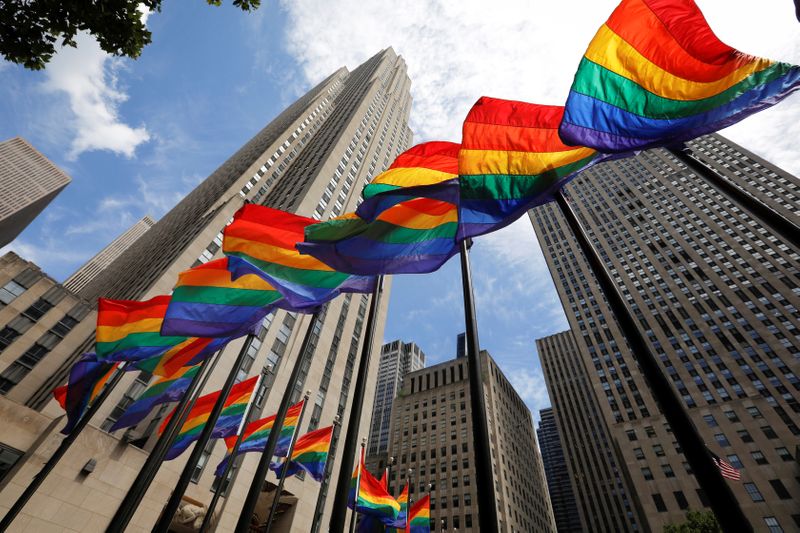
784	453
734	460
681	500
659	501
10	291
752	490
780	489
8	458
647	473
722	440
759	458
772	524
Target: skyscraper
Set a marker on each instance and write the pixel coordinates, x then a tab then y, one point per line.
312	159
716	295
28	182
94	266
397	360
559	486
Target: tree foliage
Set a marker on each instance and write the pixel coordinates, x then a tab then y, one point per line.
30	30
696	522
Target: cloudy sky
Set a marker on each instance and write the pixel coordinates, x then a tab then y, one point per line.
137	135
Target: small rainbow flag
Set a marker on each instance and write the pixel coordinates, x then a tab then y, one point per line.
164	390
86	380
373	499
266	238
131	331
420	516
400	524
511	160
229	419
257	432
221	298
655	74
310	454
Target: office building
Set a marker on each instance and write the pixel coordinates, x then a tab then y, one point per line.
28	182
89	270
559	485
312	159
397	360
715	293
431	440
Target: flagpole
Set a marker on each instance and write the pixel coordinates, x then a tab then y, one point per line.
352	527
282	475
40	476
148	470
325	478
229	465
339	511
784	227
721	499
249	507
487	512
174	502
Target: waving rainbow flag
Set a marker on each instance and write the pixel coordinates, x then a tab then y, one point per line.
400	524
257	432
511	160
310	454
164	390
373	499
221	298
266	238
188	353
420	516
229	419
655	74
86	380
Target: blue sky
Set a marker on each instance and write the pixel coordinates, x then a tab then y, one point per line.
137	135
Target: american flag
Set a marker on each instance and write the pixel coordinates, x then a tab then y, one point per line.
727	470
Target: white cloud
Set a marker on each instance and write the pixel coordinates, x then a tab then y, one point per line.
530	385
88	77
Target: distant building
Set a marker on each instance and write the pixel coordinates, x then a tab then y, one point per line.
94	266
397	360
461	345
431	433
28	182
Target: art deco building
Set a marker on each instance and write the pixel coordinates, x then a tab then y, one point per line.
716	294
312	159
397	360
94	266
431	434
28	182
559	486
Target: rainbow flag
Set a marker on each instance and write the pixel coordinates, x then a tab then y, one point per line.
511	160
373	499
131	331
164	390
257	432
655	74
400	524
229	419
310	454
412	237
266	238
221	298
188	353
86	380
420	516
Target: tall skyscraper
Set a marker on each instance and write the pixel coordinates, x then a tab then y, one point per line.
397	360
716	294
28	182
312	159
94	266
431	434
559	486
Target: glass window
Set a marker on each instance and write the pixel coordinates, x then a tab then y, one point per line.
8	458
772	524
784	453
752	490
10	290
780	489
659	501
758	457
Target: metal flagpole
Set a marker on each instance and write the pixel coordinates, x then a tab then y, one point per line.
151	465
487	512
785	228
325	478
339	511
352	527
721	498
249	507
282	473
167	514
40	476
229	465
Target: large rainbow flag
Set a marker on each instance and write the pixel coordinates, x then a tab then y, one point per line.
420	516
257	432
221	298
229	419
310	454
86	380
655	74
373	499
188	353
163	390
267	237
511	160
